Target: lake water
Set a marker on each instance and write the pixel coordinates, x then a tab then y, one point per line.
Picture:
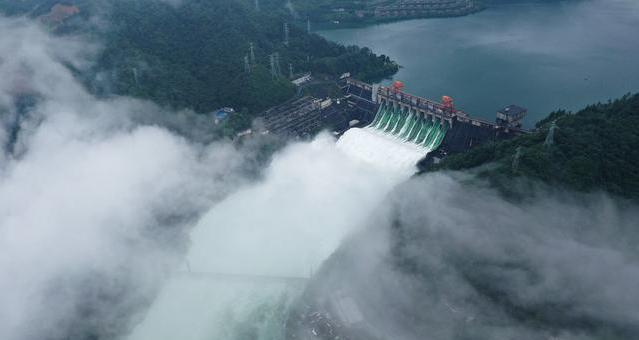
543	56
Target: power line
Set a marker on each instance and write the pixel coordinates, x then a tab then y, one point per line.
275	65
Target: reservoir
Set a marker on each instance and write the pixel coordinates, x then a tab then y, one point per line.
541	55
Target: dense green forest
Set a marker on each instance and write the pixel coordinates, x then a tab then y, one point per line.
192	55
593	149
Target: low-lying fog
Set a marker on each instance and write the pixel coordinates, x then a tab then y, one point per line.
121	219
99	195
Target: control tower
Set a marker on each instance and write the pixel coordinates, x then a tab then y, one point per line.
511	116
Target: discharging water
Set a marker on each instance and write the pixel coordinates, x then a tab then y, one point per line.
396	139
252	253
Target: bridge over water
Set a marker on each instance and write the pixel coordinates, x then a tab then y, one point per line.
214	276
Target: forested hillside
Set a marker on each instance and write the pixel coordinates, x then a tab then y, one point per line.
191	55
593	149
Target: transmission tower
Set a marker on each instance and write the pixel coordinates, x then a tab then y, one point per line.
275	65
308	25
550	137
290	71
252	53
135	76
247	64
272	62
516	158
286	33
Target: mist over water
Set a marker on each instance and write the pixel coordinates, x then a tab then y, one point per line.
457	261
252	253
382	150
111	205
543	55
95	197
256	249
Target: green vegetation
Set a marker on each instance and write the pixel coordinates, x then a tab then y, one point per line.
192	55
594	149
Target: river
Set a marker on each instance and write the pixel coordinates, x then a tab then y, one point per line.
540	55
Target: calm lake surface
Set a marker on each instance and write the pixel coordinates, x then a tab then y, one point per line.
543	56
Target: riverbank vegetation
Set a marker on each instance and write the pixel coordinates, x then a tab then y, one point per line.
593	149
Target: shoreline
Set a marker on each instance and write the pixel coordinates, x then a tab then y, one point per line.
373	21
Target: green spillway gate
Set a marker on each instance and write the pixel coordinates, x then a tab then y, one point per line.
378	116
409	127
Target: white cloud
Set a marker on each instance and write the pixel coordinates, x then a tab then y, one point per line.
91	201
96	197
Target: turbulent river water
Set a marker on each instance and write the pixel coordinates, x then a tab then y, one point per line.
540	55
252	254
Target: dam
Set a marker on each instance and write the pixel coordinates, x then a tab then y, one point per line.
388	126
401	128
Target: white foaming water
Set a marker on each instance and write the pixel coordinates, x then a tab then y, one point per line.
252	253
201	307
381	150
